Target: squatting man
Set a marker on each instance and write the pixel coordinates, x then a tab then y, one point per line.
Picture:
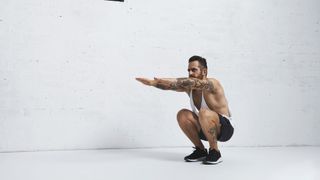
210	117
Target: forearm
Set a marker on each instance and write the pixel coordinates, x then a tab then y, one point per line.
165	83
192	83
183	84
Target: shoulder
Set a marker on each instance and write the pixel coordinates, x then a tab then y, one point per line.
214	81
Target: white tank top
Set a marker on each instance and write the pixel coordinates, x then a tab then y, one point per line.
203	103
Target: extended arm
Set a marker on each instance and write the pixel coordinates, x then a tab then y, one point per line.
192	83
178	84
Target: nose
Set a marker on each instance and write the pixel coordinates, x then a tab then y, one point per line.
190	74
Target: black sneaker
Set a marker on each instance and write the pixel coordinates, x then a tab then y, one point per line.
197	155
214	157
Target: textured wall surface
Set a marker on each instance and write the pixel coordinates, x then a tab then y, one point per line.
67	70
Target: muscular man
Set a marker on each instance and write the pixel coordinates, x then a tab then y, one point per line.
210	117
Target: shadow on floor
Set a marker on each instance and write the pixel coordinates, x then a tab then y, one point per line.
158	154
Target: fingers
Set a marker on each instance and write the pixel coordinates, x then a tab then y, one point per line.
142	80
139	79
145	81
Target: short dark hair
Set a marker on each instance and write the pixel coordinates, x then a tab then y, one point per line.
201	60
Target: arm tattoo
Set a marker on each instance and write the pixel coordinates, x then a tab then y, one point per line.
191	83
161	87
181	84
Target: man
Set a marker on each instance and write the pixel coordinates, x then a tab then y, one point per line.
210	117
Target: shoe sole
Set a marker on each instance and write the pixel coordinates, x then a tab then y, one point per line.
212	162
195	160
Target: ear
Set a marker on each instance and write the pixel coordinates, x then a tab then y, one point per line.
204	72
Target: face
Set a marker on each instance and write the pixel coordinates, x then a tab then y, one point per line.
195	70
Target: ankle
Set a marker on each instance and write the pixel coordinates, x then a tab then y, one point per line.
214	149
201	147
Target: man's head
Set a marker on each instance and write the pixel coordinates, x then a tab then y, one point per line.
197	67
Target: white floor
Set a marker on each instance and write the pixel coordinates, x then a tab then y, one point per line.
283	163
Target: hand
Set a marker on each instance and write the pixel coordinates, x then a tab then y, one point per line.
146	81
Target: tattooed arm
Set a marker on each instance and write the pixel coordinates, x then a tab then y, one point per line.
179	84
191	83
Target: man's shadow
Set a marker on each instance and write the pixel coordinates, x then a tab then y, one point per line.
163	154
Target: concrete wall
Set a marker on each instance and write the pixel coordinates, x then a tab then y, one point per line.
67	70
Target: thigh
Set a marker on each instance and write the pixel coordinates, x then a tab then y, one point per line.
209	118
191	117
209	115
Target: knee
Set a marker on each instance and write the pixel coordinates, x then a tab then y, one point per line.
206	114
182	116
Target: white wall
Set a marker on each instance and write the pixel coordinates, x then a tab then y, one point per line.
67	70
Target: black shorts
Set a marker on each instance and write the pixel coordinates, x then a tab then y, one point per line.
226	130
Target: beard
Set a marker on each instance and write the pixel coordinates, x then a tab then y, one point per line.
197	77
